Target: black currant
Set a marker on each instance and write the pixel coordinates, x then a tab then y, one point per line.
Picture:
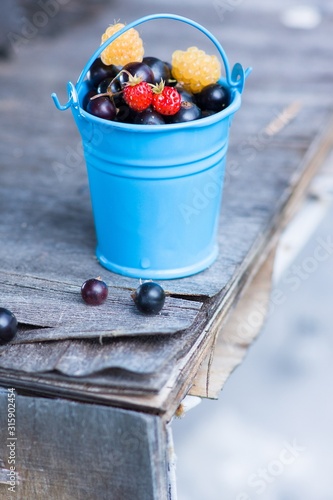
171	82
213	97
125	114
139	69
149	297
103	86
94	291
185	95
102	107
187	113
8	325
160	69
149	117
207	112
99	71
114	86
87	97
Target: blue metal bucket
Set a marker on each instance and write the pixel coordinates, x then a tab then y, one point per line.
156	190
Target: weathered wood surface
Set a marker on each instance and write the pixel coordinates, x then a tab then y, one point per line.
58	308
278	139
241	327
72	451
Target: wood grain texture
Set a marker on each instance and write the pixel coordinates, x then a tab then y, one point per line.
73	451
241	327
46	228
58	308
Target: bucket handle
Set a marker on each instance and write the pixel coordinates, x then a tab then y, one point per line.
235	77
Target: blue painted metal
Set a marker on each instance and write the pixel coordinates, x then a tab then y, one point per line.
156	190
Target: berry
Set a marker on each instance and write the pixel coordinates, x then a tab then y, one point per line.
213	97
207	112
185	95
137	94
8	325
166	100
187	113
171	82
128	47
87	98
160	69
195	69
149	117
111	87
149	297
111	83
94	291
102	107
137	69
125	114
99	71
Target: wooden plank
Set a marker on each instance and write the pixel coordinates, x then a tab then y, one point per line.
242	325
79	359
47	234
68	451
47	229
189	340
160	399
58	308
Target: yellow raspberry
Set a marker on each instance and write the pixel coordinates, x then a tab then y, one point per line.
195	69
127	48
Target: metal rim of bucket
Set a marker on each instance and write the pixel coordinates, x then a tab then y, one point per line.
235	78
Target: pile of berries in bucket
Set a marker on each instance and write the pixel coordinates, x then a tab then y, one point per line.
127	87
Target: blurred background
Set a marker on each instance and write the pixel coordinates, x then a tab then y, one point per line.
269	436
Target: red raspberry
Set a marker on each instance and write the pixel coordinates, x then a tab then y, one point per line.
138	95
166	100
